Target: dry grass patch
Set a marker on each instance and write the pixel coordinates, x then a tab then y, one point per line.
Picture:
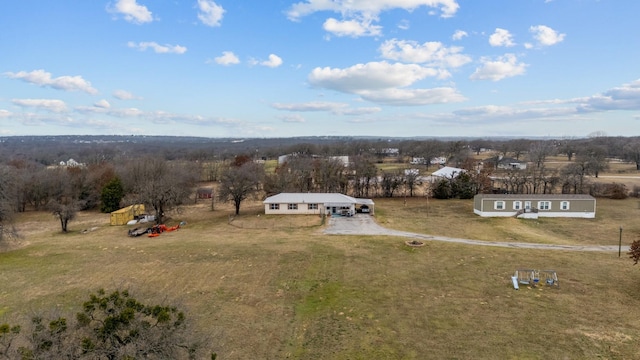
292	292
455	218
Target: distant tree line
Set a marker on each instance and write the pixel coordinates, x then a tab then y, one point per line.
161	172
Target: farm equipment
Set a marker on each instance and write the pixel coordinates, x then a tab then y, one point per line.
153	231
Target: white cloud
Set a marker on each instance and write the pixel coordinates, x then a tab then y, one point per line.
210	13
227	58
310	106
273	62
5	113
546	36
432	53
132	11
625	97
501	37
501	68
159	49
125	95
495	114
448	8
353	28
410	97
43	78
102	104
358	15
163	117
404	25
381	82
459	34
52	105
332	107
369	76
358	111
115	112
292	118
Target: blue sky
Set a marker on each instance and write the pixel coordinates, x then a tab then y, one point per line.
233	68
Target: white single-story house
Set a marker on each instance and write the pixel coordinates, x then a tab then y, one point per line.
316	203
506	163
535	205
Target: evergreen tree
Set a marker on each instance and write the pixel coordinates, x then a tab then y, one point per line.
112	193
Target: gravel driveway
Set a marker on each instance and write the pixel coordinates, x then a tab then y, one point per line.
363	224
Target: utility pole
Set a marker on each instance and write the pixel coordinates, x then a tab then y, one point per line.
620	243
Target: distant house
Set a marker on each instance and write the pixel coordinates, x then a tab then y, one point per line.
506	163
71	163
391	152
316	203
418	161
204	193
440	160
535	205
411	172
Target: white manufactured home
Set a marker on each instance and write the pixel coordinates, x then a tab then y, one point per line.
316	203
535	205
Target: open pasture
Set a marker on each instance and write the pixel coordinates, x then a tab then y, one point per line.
272	288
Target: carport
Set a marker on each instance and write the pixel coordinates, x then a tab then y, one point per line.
362	204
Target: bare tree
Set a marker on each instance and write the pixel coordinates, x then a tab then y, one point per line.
64	202
8	192
281	180
237	183
457	152
573	178
632	152
411	181
390	182
539	151
568	146
302	169
519	147
161	184
477	145
430	149
329	175
593	159
364	175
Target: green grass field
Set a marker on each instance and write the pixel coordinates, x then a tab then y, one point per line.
265	287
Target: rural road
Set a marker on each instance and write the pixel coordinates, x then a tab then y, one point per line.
362	224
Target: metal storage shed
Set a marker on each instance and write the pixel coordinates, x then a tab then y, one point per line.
124	215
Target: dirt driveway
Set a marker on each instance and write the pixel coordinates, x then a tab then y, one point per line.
362	224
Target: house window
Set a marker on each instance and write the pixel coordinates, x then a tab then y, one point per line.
274	206
517	205
498	205
544	205
292	207
564	205
527	205
312	206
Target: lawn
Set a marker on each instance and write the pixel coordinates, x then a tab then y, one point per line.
272	288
